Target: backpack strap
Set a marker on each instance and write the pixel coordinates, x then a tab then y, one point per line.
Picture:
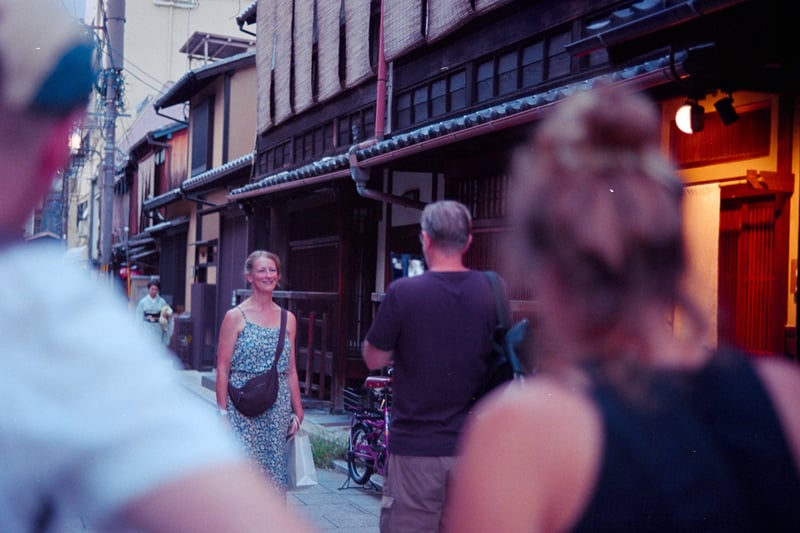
507	335
500	299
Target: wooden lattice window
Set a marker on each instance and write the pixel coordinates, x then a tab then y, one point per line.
485	196
747	138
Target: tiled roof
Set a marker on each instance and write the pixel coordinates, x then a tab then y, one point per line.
323	167
161	200
177	221
210	176
332	167
643	17
194	80
197	182
248	16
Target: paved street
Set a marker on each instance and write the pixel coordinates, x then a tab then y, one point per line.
327	505
355	509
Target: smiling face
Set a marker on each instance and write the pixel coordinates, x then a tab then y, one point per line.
264	274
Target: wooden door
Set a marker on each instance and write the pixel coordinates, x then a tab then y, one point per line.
753	257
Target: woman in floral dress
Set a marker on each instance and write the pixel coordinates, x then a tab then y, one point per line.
248	339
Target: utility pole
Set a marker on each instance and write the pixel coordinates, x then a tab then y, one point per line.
114	23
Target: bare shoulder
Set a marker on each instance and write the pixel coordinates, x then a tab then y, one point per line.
782	380
546	436
537	402
291	323
234	312
233	319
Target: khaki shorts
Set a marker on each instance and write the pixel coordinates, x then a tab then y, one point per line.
414	494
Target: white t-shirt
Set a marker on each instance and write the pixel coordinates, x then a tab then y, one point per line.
92	411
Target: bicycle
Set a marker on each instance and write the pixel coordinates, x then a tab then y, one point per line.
368	449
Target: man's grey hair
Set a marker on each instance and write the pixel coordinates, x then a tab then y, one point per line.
448	224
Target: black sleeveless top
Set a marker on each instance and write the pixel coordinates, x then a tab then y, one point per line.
704	453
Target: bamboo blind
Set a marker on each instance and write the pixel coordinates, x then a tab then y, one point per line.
447	15
357	14
403	20
303	40
283	59
328	24
265	16
403	32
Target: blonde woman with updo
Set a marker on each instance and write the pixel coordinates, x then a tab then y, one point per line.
248	340
627	426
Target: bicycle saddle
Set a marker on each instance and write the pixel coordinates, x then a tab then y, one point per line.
377	382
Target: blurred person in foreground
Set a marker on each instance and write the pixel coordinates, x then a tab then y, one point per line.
628	426
95	423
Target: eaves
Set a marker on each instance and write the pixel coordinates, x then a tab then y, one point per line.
161	200
162	133
195	80
211	177
640	18
485	121
169	224
248	16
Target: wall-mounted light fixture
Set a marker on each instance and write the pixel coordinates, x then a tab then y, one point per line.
727	113
690	117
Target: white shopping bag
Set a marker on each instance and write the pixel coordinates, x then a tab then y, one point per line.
300	461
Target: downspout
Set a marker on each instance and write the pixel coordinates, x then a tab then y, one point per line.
91	246
160	114
241	24
380	97
151	140
226	117
359	175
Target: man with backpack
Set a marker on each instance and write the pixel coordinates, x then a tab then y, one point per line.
436	330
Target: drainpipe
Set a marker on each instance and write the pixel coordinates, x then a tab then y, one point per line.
361	177
380	97
241	24
91	246
152	140
160	114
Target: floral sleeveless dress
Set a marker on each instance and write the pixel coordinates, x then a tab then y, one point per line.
263	436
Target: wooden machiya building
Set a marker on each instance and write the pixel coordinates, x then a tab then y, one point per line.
369	109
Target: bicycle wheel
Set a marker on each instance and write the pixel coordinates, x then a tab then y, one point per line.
358	465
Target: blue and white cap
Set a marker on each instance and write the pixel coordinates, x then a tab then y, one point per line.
46	59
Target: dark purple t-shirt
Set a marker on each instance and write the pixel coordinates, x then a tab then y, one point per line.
439	326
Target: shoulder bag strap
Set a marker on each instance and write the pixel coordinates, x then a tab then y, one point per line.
281	338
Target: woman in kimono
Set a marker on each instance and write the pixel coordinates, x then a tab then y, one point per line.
149	312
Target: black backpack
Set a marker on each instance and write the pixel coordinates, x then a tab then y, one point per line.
504	364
